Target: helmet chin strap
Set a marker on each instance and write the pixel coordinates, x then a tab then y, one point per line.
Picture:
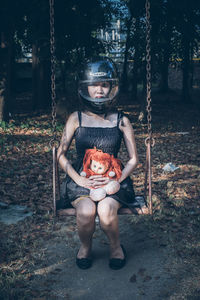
99	111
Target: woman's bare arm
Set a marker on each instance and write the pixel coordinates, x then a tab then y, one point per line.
65	143
129	139
68	133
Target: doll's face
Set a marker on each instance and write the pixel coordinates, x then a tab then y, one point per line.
97	167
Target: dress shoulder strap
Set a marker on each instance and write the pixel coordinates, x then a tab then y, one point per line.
119	117
79	118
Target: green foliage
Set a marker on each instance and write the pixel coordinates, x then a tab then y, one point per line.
23	126
5	125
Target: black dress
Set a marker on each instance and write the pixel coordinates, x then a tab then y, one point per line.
108	140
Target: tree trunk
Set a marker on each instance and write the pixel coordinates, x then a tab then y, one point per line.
124	81
136	61
164	86
143	97
191	65
135	78
35	67
5	75
40	80
186	67
167	34
44	84
3	111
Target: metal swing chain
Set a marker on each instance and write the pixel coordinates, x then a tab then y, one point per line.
149	142
148	72
53	69
53	103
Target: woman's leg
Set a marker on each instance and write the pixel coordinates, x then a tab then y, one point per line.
107	212
85	218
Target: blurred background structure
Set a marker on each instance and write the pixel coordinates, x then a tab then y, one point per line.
114	28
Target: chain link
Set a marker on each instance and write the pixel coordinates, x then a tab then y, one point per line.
53	69
149	142
148	74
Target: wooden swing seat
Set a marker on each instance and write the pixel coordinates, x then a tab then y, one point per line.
121	211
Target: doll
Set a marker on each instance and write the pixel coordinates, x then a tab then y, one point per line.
96	162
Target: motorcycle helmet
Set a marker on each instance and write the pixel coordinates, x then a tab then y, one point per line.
98	85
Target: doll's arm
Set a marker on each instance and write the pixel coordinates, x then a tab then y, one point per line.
83	174
111	174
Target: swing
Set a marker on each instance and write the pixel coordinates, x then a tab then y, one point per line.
149	141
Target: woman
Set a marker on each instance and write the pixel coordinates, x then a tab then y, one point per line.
101	127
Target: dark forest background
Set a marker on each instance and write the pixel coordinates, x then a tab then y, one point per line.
24	28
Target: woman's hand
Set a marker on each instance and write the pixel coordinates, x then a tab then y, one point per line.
94	181
84	182
99	180
88	182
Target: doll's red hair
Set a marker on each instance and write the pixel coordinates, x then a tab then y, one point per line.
112	163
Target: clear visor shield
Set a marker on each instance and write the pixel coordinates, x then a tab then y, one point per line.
99	91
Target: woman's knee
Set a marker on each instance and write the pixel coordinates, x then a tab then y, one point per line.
107	210
86	210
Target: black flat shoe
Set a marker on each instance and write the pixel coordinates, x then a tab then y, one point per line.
118	263
84	263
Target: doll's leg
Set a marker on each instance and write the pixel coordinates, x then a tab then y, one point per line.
100	193
85	218
107	211
97	194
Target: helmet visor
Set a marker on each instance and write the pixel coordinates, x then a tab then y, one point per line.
101	90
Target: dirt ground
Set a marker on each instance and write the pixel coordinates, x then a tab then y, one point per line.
37	255
147	275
